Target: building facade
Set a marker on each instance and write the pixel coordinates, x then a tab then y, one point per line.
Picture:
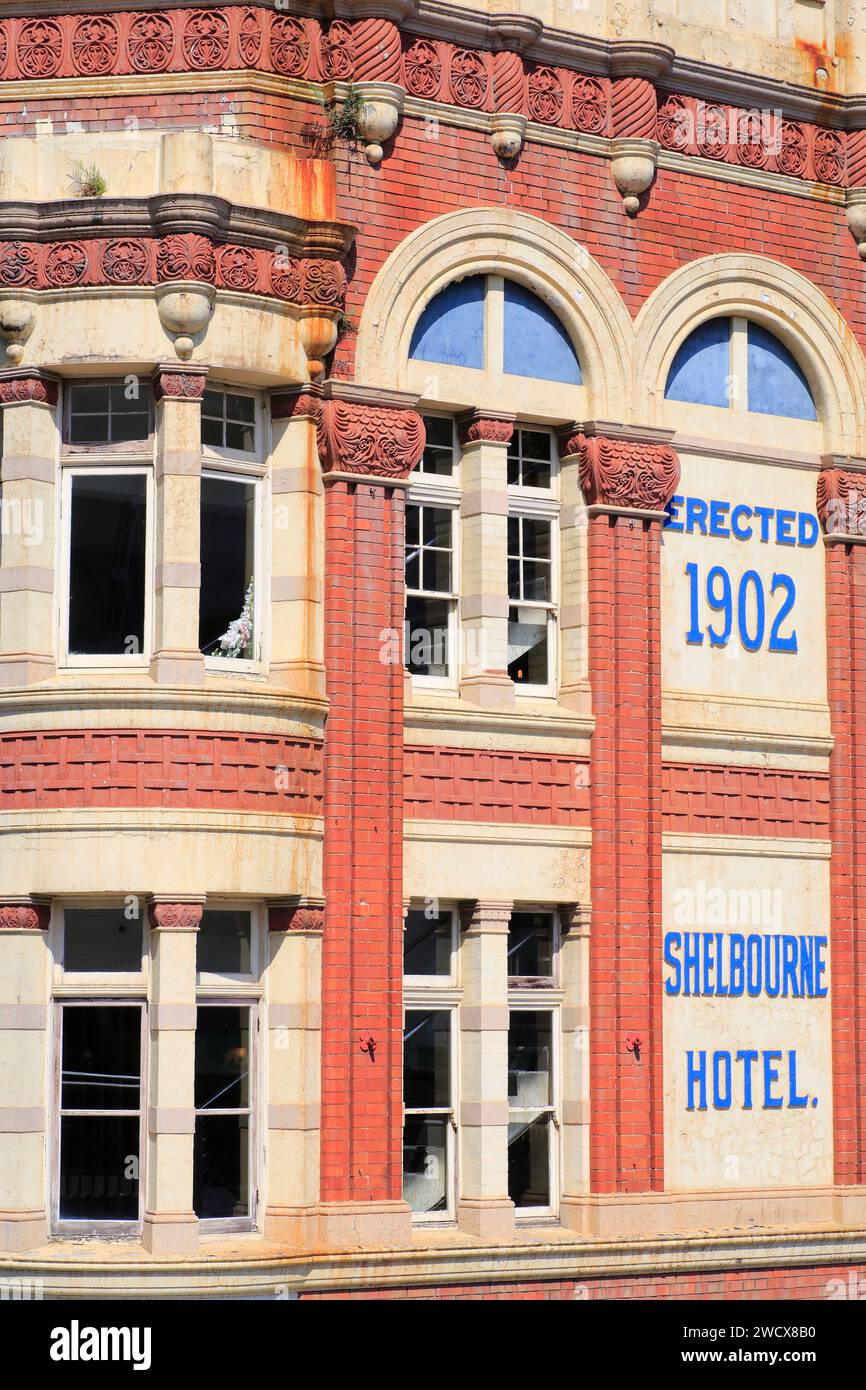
431	794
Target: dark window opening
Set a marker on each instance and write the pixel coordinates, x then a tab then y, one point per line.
223	943
427	943
109	412
530	946
101	939
228	512
438	456
530	1102
427	1105
222	1156
108	530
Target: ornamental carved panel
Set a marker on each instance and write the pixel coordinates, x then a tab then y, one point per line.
842	502
188	257
625	473
290	46
24	916
175	916
300	918
151	43
95	45
206	39
422	68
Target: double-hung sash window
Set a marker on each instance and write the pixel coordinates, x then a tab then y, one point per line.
226	1159
533	1081
100	1070
532	567
431	558
429	1063
230	630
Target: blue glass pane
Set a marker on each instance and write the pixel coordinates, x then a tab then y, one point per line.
777	386
451	328
536	344
701	367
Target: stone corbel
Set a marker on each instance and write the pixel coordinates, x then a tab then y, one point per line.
297	914
17	319
841	500
368	433
623	469
512	34
633	166
185	310
28	386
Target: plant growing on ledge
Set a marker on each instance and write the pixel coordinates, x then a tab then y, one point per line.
237	640
86	181
342	122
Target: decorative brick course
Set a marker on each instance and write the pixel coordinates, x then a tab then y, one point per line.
713	800
474	784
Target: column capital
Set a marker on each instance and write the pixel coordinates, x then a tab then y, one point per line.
623	468
841	499
185	383
574	919
301	402
365	432
486	427
484	915
28	386
306	914
25	913
175	914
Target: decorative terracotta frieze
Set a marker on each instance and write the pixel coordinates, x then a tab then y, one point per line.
174	916
367	436
25	915
133	261
629	474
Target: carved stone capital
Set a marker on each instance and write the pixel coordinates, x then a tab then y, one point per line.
297	915
368	434
482	426
175	916
27	387
187	384
841	503
483	915
627	474
298	403
24	914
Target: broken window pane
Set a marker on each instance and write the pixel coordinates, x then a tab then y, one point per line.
223	943
228	515
101	939
427	943
221	1161
107	564
530	945
529	1161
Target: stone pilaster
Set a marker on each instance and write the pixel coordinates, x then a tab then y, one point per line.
178	394
170	1225
627	477
294	1065
368	444
24	997
574	948
297	543
28	476
484	678
484	1208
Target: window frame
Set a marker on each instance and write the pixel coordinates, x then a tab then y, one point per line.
218	985
411	983
521	1000
444	492
543	508
256	664
66	1227
114	982
540	985
66	660
237	458
112	449
217	1225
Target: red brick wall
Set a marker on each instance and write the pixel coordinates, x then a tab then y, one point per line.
362	956
626	1124
846	678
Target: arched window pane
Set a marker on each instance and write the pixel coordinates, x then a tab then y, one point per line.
699	372
451	328
777	386
536	344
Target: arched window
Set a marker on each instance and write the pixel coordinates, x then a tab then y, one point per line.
736	364
533	342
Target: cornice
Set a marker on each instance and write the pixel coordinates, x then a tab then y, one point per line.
166	214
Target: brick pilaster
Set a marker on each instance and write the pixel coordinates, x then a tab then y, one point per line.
627	480
367	448
842	509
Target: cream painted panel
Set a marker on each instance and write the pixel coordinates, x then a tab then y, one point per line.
732	671
762	1147
61	852
500	862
